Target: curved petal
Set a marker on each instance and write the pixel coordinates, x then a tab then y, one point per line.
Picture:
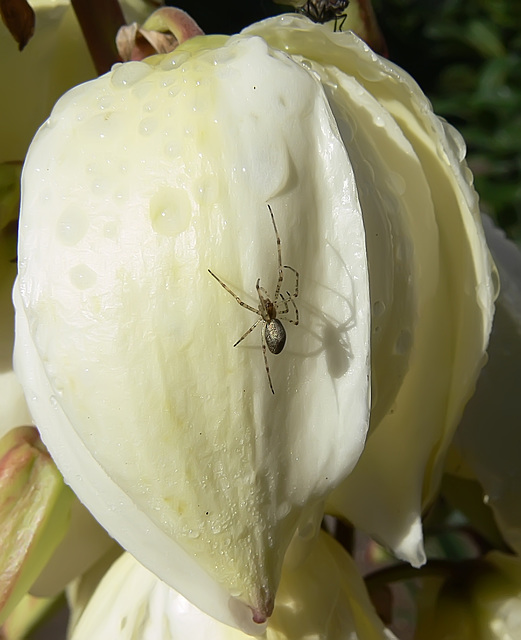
488	438
172	437
13	408
443	282
324	598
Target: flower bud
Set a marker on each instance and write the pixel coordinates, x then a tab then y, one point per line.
34	512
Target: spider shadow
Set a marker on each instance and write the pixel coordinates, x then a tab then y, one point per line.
333	342
329	333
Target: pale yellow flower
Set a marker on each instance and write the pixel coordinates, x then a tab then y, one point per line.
321	597
142	181
431	280
482	601
488	440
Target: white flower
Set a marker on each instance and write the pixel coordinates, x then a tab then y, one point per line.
323	596
139	183
142	181
41	523
488	439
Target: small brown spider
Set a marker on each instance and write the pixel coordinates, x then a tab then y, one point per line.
273	333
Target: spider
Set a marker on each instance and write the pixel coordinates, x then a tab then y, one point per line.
273	333
325	10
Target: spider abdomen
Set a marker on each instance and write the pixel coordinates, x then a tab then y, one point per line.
275	335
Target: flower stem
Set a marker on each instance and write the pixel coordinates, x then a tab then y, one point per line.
100	21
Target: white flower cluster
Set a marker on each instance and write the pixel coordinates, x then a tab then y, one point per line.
312	180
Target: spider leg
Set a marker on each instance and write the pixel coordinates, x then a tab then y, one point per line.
279	254
342	18
264	300
285	303
290	299
285	310
263	343
263	294
232	293
246	333
297	277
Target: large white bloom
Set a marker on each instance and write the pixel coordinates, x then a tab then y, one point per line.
146	178
322	597
138	184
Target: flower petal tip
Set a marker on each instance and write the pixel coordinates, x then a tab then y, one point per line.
251	620
410	548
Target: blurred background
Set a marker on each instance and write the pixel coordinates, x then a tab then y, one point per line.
465	55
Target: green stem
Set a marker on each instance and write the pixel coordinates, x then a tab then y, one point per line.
100	21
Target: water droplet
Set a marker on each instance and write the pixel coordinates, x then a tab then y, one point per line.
110	230
378	308
82	276
72	226
496	285
170	211
283	510
147	126
404	342
105	102
129	73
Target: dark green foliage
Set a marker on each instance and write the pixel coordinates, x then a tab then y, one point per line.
466	55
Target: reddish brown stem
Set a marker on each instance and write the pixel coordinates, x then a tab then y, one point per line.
100	21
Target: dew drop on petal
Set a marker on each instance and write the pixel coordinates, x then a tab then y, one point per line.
72	226
378	308
170	211
129	73
404	342
82	276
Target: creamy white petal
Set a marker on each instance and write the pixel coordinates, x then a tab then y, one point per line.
322	598
138	184
488	437
438	289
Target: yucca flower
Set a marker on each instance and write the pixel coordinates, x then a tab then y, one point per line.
288	167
